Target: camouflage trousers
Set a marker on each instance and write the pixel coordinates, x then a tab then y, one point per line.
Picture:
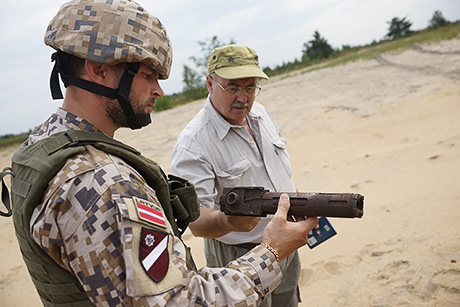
287	294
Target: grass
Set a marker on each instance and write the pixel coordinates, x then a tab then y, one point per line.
12	140
369	52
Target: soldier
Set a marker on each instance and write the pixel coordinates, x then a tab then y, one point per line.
233	141
97	223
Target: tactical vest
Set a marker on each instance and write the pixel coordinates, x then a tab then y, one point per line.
34	166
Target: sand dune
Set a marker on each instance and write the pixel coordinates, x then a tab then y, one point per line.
387	128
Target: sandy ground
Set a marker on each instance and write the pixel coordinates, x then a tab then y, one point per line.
387	128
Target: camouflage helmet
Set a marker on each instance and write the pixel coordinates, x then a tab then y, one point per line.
111	32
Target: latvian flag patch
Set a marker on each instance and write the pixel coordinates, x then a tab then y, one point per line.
150	212
153	253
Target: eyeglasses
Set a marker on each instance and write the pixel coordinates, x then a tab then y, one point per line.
233	90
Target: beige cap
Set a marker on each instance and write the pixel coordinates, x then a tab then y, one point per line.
235	62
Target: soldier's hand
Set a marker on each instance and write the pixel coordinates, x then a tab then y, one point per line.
286	236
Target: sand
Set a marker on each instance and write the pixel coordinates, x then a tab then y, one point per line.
387	128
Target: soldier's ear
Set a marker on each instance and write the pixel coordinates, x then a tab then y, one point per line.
96	72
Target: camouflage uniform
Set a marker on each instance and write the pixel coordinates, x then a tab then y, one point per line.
91	223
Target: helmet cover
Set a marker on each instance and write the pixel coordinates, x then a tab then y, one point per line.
111	32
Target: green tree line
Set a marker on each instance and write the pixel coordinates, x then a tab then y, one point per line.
314	51
13	139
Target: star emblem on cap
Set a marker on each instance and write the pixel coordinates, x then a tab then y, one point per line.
231	60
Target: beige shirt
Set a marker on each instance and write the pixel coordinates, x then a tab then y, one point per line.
213	154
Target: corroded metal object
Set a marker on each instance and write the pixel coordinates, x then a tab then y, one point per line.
257	201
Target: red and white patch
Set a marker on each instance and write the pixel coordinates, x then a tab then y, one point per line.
150	212
153	253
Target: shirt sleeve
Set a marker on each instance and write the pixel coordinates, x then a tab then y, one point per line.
187	164
85	226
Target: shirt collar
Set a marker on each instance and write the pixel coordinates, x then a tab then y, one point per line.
59	121
74	122
222	126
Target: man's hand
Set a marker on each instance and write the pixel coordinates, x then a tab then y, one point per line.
214	223
284	235
241	223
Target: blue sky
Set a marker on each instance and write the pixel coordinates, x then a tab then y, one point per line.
276	31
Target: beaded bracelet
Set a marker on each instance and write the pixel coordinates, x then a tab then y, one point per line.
272	250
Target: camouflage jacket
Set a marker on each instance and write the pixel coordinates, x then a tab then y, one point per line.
102	222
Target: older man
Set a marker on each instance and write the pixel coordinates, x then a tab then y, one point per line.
233	141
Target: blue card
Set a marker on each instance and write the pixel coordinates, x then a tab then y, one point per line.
318	236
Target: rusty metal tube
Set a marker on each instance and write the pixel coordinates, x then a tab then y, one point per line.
256	201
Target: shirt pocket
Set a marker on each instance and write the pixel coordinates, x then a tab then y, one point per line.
281	151
228	176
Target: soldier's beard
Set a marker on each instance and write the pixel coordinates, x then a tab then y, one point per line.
116	114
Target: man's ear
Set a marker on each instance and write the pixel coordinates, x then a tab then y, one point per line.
209	82
96	72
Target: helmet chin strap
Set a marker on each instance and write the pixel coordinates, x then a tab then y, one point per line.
135	121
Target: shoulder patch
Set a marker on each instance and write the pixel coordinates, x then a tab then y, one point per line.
150	212
153	253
